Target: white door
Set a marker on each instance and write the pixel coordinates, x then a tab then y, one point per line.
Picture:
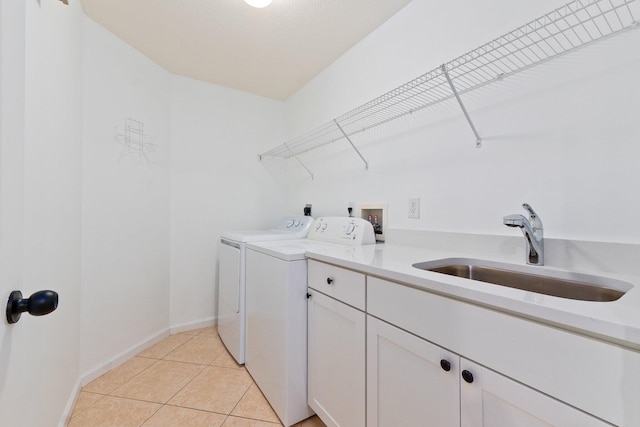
492	400
40	210
410	382
231	322
336	344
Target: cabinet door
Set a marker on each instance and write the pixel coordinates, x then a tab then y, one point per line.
408	383
336	368
492	400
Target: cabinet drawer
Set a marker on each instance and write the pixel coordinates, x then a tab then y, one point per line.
339	283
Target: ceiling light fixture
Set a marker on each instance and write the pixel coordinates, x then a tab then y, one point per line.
258	3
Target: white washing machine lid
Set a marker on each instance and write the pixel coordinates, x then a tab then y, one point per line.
288	227
294	250
244	236
289	250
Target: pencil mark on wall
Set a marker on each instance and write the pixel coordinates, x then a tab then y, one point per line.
135	144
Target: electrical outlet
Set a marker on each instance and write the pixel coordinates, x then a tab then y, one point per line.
414	208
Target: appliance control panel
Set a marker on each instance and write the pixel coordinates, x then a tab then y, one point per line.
297	224
342	230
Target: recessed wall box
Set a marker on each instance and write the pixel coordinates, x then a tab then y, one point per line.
376	214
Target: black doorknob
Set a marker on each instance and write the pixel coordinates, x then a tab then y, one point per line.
444	364
38	304
329	280
467	376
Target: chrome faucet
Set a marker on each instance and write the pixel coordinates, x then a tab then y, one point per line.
532	230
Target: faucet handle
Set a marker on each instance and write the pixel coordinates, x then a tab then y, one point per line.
534	219
529	209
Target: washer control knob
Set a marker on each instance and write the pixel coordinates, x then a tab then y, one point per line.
289	223
348	228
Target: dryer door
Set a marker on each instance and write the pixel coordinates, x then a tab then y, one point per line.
230	322
229	276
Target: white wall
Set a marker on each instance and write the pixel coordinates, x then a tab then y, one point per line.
217	184
125	193
562	136
135	286
41	147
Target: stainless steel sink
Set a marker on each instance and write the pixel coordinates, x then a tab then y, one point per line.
569	285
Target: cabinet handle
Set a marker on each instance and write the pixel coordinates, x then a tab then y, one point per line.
309	295
444	364
467	376
329	280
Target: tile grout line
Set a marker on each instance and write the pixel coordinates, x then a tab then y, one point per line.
242	397
109	394
253	382
149	417
102	396
192	379
205	333
162	405
201	333
156	360
183	387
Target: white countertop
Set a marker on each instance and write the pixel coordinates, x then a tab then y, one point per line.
617	321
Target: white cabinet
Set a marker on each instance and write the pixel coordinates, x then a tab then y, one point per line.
410	382
492	400
336	346
413	382
432	360
593	376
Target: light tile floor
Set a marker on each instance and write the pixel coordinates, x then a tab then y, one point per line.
188	379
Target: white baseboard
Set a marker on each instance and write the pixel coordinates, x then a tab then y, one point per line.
122	357
71	403
212	321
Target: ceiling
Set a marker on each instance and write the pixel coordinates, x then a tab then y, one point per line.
270	52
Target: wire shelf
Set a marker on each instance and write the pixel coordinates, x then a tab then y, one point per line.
576	24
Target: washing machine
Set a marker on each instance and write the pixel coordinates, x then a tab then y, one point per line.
276	283
231	276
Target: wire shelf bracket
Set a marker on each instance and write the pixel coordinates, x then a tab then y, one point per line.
295	156
577	24
302	164
443	67
366	164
